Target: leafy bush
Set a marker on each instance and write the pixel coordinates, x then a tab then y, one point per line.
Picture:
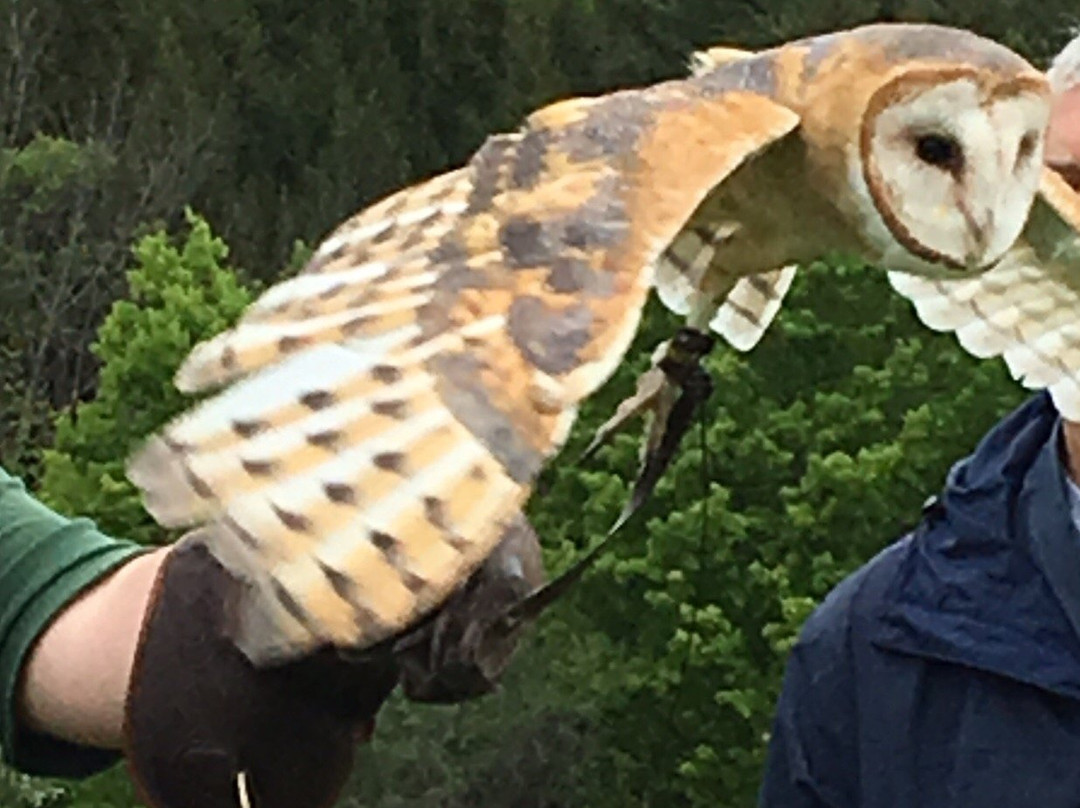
179	295
19	791
816	450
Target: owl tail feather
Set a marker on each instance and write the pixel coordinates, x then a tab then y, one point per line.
670	392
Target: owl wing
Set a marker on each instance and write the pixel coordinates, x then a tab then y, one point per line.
390	406
1026	309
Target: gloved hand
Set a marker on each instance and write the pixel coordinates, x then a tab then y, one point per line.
206	729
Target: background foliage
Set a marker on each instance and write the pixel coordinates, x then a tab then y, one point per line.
274	119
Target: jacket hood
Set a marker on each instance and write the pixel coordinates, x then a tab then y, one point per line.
991	578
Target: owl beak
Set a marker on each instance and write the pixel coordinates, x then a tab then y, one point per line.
979	229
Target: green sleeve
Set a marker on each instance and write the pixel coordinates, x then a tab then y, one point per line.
46	560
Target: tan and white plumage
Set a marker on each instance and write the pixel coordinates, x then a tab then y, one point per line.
1027	308
391	406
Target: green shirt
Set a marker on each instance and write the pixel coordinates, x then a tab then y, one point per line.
46	560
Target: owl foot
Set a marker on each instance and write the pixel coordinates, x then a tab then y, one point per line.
652	395
670	392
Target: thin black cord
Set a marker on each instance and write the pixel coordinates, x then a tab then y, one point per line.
706	476
704	466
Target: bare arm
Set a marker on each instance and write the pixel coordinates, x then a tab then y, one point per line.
76	678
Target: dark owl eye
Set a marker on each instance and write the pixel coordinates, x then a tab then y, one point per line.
940	151
1027	147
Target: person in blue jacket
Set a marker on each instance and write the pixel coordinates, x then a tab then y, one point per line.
945	673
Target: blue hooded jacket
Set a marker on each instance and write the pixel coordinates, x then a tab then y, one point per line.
946	672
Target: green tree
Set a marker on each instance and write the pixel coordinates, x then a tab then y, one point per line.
54	285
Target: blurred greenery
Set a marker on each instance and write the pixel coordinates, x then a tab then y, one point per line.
654	683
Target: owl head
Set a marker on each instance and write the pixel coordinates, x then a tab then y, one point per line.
946	156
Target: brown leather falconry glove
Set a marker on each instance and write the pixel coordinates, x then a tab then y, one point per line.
206	729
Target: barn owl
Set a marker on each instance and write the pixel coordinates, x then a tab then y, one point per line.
372	424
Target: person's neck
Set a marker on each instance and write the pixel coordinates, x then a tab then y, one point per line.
1071	432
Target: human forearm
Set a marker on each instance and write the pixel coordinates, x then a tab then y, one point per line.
76	677
48	562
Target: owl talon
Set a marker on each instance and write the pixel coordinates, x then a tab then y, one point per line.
651	386
682	373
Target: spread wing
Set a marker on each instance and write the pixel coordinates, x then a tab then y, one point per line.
1027	309
391	405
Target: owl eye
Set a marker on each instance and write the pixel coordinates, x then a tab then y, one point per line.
1027	147
940	151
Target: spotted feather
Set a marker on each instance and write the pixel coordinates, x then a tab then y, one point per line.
387	410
